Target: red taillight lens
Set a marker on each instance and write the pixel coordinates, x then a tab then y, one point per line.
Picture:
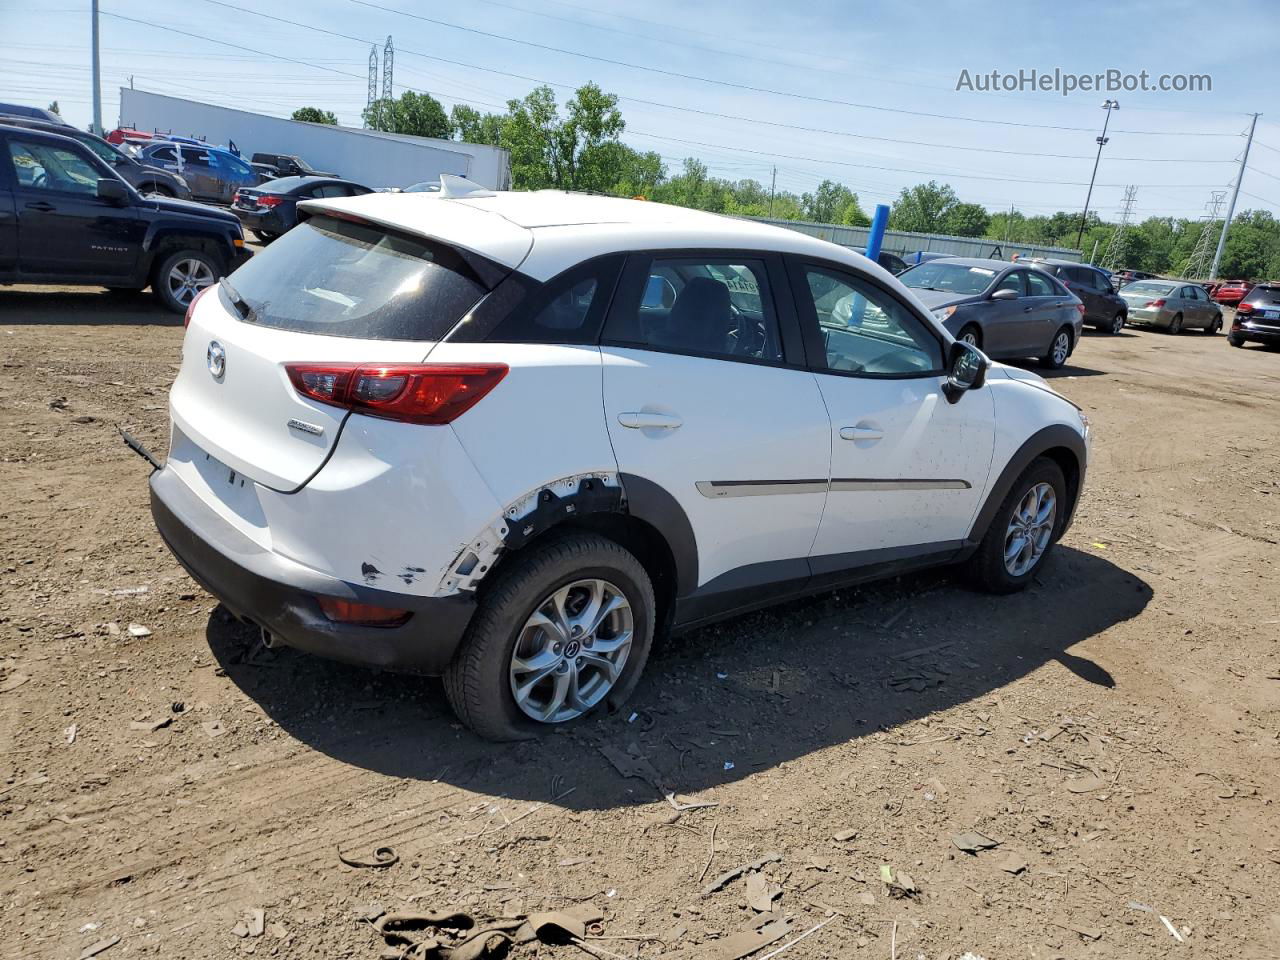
1245	308
1154	303
362	614
1080	307
269	201
429	393
191	307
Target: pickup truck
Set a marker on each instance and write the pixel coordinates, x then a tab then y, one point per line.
276	165
66	217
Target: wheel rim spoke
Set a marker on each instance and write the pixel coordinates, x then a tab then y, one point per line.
571	650
1030	529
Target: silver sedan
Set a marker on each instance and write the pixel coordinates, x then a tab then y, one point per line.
1172	305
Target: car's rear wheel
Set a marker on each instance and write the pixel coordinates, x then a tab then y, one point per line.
1117	323
181	276
1235	341
972	336
1023	530
264	236
1059	349
565	630
1213	328
1175	325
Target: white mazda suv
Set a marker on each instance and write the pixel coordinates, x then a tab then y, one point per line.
507	438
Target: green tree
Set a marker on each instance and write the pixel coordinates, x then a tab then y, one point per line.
315	115
923	208
833	202
472	126
417	114
966	220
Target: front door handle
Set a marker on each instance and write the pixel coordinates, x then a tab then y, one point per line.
43	206
861	433
640	421
1027	309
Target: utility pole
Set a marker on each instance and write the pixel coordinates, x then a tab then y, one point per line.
773	183
1107	105
1231	207
97	74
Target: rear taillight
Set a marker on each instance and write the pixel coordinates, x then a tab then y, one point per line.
361	614
429	393
1245	308
1157	304
270	201
1080	307
191	307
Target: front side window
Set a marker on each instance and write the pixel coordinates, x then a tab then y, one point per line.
712	307
235	165
867	331
45	167
1038	285
347	279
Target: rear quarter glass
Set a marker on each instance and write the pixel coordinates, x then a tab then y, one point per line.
342	279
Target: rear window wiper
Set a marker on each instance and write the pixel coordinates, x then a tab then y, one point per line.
240	303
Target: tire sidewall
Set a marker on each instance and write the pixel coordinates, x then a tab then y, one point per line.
1175	325
516	606
995	575
975	332
1048	359
1117	323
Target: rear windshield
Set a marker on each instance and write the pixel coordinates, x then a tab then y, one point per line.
1264	294
346	279
1142	287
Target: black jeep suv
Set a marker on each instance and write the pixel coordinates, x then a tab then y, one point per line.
142	177
67	217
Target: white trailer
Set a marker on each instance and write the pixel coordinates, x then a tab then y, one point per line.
366	156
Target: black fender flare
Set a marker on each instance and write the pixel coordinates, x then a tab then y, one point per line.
652	503
1048	438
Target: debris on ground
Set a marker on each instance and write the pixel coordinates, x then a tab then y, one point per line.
457	935
765	929
13	681
761	893
138	631
150	726
382	857
96	948
971	842
738	871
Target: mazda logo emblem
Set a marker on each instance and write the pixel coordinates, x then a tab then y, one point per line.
216	357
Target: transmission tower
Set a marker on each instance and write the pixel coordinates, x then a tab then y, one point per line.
1116	246
373	85
388	65
1197	265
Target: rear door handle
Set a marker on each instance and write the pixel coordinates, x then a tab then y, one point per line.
43	206
861	433
639	421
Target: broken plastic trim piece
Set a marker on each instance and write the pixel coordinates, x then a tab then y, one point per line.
134	444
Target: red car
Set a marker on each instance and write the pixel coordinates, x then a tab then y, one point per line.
122	134
1232	292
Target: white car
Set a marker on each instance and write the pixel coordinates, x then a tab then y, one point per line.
508	437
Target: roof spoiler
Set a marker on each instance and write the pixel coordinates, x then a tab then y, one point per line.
453	187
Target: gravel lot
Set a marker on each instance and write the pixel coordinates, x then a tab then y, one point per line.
1115	730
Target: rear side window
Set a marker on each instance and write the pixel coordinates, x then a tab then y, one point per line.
1038	285
566	309
344	279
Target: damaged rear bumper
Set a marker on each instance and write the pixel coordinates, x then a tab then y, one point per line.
279	594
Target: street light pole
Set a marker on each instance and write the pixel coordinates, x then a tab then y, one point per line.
1108	105
97	74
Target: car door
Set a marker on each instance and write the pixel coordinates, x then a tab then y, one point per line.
8	221
200	174
708	402
1084	283
1043	313
64	230
907	466
1003	321
1199	306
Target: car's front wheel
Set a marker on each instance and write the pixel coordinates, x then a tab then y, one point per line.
182	275
264	236
1213	328
1023	530
972	336
565	630
1059	349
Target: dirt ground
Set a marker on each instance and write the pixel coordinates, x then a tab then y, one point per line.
1115	730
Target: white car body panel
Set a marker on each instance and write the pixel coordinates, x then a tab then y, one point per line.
925	438
738	423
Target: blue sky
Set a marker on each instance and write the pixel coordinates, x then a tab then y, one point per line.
903	58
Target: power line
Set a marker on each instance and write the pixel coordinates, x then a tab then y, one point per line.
732	84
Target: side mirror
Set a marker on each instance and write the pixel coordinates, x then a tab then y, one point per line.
1005	294
966	370
113	191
